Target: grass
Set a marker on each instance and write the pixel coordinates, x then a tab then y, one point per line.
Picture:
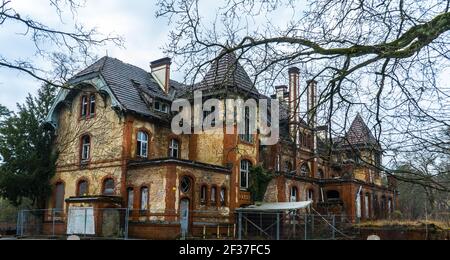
408	224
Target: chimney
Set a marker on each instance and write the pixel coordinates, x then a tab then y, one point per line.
280	91
294	100
312	103
161	72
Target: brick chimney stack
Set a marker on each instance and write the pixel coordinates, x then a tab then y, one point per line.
312	103
294	100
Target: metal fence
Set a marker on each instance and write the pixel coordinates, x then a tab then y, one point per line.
293	226
84	222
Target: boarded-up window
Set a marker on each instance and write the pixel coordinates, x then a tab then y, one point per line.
59	196
144	198
130	193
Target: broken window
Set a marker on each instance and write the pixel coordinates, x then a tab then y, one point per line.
310	194
294	194
174	148
185	184
333	195
130	193
213	196
142	144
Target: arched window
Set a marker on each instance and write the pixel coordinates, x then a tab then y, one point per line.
223	196
305	170
82	189
288	167
213	198
85	148
88	108
130	195
203	194
109	187
294	194
310	195
142	144
144	198
186	184
59	197
174	148
245	171
367	206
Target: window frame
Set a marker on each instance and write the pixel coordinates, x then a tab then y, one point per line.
144	206
223	197
130	199
293	188
203	194
105	187
140	144
245	171
213	196
303	173
85	155
80	182
174	145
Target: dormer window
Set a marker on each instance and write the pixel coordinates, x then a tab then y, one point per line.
161	107
88	106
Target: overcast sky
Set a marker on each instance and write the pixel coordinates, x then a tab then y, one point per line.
134	20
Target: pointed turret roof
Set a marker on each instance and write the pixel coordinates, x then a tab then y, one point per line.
227	72
360	134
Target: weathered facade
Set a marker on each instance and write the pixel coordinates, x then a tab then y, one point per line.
117	150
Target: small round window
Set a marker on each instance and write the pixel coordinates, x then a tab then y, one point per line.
185	184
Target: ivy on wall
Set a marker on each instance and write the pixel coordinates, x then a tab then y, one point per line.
259	181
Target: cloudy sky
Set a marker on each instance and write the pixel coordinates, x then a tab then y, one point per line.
134	20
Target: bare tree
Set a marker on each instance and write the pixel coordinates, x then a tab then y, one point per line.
382	58
65	50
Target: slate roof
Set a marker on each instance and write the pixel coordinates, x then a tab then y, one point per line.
127	81
359	134
227	72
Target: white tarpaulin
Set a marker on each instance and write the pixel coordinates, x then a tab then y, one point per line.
81	221
277	207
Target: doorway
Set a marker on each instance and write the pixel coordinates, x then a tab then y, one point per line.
184	218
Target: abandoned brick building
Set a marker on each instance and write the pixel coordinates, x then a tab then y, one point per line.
117	150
